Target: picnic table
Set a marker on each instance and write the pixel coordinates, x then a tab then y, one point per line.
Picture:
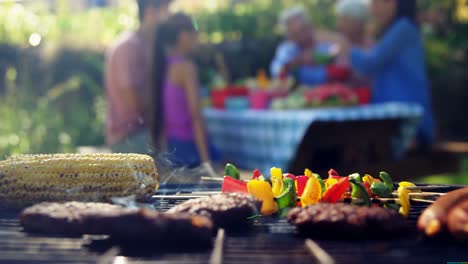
273	138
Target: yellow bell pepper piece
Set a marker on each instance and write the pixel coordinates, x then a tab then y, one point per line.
276	172
308	173
277	186
369	179
408	184
404	199
330	182
262	191
312	192
276	181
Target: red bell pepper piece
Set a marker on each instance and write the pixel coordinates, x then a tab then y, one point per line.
233	185
256	174
332	173
367	187
289	176
301	183
336	191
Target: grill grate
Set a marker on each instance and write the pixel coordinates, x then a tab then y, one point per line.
17	247
270	241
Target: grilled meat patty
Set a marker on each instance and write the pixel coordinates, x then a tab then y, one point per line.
226	210
344	221
121	224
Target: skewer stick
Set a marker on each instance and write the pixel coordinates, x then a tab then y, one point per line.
215	179
217	254
396	200
319	253
422	200
175	197
206	192
422	194
426	194
429	187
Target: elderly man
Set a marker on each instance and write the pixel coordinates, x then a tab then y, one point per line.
127	83
297	54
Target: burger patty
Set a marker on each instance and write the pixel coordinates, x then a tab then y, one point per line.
344	220
226	210
121	224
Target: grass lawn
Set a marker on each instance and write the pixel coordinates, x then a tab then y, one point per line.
457	178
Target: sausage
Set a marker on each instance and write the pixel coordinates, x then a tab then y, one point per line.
433	220
457	221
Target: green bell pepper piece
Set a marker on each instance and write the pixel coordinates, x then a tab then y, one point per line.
355	176
386	179
360	192
381	190
322	183
288	197
231	171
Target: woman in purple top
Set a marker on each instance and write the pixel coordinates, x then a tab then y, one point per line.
178	114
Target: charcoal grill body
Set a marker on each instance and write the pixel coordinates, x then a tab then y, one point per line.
270	240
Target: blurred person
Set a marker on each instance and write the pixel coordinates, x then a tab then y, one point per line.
295	54
177	105
396	62
127	82
352	22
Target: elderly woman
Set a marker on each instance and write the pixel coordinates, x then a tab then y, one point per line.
352	21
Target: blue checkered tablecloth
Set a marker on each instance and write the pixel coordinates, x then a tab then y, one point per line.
264	139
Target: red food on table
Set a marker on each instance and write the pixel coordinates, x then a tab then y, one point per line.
331	94
259	99
237	91
218	98
337	72
221	94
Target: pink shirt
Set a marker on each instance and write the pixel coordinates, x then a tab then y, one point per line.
127	67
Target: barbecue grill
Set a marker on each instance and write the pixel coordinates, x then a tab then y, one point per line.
270	240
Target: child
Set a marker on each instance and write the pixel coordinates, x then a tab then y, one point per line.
178	115
396	62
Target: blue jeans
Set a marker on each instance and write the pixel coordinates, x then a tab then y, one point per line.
184	153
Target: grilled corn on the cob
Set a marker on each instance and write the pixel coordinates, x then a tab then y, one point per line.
27	179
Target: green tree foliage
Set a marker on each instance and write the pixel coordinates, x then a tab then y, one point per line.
51	93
